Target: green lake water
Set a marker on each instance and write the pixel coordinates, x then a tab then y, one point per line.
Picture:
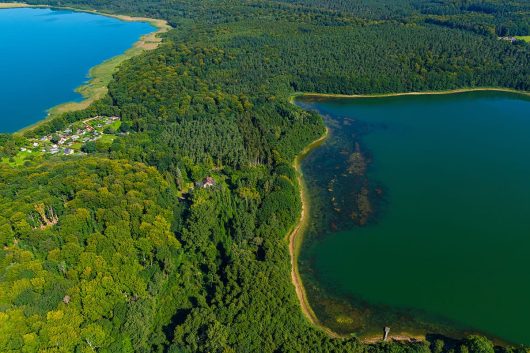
446	244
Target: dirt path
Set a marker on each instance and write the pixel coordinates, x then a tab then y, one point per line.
11	5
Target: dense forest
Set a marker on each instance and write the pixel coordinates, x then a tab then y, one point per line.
128	250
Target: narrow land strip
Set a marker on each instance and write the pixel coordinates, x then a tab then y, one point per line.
295	239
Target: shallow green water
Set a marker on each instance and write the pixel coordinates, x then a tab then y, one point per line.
447	244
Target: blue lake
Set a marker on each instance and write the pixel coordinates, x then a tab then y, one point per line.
46	54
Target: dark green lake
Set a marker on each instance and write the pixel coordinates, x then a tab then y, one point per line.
420	215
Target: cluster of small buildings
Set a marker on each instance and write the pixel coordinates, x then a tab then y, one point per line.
71	139
509	39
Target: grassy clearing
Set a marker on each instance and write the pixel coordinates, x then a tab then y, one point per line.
525	38
115	125
21	157
107	139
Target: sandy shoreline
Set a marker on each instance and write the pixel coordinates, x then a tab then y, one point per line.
11	5
295	240
383	95
99	75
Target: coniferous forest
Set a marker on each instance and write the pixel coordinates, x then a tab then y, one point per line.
126	249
